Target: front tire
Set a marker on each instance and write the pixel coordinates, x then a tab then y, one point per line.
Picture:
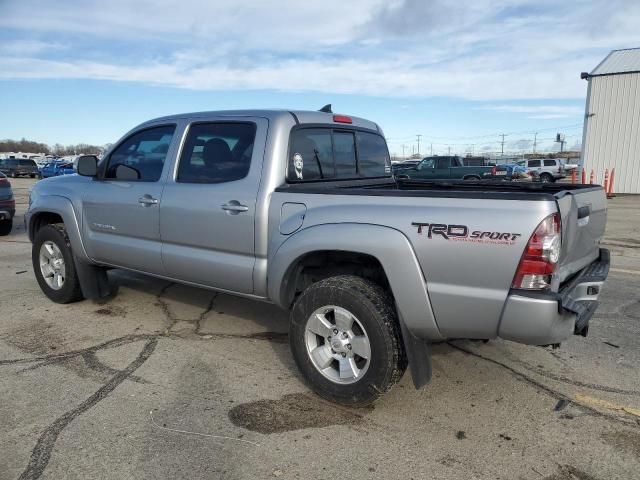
546	178
5	227
346	340
53	264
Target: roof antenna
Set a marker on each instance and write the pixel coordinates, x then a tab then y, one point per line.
326	108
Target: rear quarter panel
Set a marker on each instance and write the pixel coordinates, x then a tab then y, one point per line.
467	280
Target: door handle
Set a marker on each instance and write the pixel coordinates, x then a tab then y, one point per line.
234	207
147	200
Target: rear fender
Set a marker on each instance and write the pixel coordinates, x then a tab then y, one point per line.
394	252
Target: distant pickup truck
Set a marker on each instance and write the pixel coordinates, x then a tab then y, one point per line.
17	167
447	168
299	209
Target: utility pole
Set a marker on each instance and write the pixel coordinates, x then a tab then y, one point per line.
432	149
418	137
535	142
449	148
502	145
403	157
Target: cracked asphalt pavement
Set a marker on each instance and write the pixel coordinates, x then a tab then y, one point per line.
169	381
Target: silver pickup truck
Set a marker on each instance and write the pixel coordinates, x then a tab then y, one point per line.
300	209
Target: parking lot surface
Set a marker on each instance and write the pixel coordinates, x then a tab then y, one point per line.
169	381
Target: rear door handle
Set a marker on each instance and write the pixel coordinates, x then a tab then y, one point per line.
234	207
147	200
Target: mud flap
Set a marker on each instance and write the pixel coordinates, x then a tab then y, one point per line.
93	280
418	355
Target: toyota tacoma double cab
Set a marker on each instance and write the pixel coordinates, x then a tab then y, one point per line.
300	209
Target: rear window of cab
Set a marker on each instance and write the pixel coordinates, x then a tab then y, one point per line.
336	153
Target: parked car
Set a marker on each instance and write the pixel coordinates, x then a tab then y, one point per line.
7	206
547	169
448	168
54	169
516	172
17	167
296	208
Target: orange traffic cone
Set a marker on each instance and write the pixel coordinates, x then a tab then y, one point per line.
606	180
592	177
610	193
584	176
573	176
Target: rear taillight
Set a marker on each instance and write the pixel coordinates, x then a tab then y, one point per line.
540	258
493	170
4	182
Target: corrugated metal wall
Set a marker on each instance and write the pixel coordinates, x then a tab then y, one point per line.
612	137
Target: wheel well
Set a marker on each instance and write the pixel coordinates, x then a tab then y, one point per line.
316	266
469	177
42	219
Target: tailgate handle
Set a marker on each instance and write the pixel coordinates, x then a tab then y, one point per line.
584	212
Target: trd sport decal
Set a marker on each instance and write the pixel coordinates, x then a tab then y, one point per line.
460	233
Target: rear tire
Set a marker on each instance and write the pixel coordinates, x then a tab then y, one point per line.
53	264
5	227
343	375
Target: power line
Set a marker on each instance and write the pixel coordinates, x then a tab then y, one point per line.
473	137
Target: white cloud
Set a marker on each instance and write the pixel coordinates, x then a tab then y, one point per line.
482	50
539	112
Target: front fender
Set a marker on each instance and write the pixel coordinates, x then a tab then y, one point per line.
44	204
389	246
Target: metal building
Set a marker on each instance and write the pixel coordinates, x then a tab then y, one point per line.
611	135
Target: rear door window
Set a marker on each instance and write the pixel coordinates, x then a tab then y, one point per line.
534	163
326	153
217	152
549	163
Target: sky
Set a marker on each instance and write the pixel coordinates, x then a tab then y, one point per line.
457	73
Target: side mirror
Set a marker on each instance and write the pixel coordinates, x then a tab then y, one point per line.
418	166
125	172
88	165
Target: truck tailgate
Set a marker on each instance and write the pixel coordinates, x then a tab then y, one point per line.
584	216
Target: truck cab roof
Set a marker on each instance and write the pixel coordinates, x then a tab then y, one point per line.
298	116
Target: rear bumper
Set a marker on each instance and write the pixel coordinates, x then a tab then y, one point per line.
545	318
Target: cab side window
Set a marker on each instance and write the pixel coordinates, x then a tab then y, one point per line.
143	153
534	163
